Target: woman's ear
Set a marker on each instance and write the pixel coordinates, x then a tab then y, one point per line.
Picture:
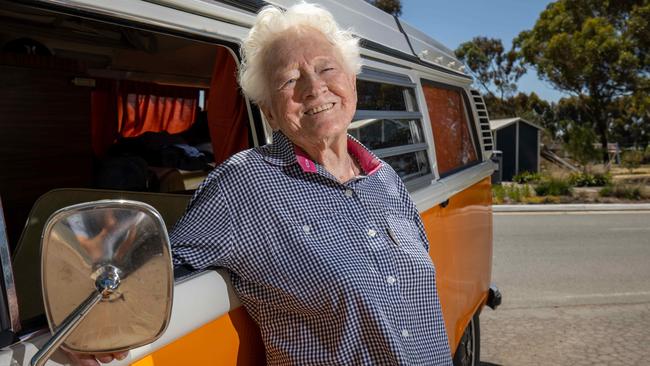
268	114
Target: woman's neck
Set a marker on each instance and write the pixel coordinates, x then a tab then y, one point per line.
333	155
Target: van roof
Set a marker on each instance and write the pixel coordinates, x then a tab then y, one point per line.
384	33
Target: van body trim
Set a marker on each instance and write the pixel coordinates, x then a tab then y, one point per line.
374	46
374	114
445	188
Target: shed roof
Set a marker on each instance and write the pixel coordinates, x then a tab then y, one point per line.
497	124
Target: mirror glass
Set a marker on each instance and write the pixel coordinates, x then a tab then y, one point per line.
128	238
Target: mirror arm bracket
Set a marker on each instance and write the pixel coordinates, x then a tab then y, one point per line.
68	325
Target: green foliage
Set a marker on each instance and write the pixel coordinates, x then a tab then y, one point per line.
527	177
632	159
630	119
392	7
553	187
579	143
498	194
511	193
621	191
493	66
597	51
585	179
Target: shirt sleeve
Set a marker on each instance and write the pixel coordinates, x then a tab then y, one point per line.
203	237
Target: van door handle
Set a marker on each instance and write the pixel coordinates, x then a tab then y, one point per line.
444	203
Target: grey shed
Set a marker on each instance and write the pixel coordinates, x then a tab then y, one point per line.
519	141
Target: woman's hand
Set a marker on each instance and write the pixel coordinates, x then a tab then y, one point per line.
86	359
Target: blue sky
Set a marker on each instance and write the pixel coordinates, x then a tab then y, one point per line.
454	22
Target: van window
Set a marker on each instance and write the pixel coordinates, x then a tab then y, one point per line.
389	122
452	134
104	108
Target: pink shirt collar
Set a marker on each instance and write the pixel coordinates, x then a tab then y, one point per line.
368	161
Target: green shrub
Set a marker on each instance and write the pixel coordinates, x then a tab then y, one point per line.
553	187
498	194
510	193
584	179
621	191
632	159
513	193
527	177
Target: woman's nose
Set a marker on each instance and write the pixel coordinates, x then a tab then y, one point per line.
314	85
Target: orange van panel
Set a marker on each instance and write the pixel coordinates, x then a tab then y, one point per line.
233	339
461	248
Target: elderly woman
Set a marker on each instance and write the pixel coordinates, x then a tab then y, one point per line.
325	248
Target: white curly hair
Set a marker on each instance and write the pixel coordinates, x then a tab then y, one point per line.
270	23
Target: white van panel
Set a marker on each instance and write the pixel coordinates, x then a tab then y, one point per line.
429	50
166	16
365	20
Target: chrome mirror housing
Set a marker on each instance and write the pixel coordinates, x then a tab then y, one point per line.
107	277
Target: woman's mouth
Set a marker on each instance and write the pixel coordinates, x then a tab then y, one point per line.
322	108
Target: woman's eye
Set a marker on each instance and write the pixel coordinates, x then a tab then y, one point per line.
289	83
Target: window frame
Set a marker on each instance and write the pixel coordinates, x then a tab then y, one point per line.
376	75
471	125
9	319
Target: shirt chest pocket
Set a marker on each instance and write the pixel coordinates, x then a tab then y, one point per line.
405	235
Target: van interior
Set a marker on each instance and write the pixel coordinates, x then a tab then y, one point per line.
90	104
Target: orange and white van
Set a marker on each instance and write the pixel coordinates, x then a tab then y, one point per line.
137	100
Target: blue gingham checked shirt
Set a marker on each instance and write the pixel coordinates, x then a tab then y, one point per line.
334	274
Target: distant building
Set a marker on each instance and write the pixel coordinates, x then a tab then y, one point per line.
519	141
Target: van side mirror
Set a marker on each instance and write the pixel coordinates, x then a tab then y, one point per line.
107	277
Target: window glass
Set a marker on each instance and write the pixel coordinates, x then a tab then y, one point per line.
410	165
384	97
381	133
451	133
390	125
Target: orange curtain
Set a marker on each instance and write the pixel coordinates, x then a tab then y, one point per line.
147	107
451	134
227	112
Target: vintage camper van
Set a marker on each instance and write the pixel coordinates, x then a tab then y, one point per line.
137	100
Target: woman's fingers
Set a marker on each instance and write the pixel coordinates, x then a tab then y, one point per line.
121	355
104	358
84	359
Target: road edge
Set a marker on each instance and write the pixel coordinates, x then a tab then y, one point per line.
574	207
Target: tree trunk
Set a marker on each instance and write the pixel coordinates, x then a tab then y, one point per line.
601	128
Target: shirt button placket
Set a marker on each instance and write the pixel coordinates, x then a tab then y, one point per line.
372	233
349	193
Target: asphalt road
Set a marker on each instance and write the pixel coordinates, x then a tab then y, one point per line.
576	289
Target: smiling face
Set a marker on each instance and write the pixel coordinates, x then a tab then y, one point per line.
312	96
